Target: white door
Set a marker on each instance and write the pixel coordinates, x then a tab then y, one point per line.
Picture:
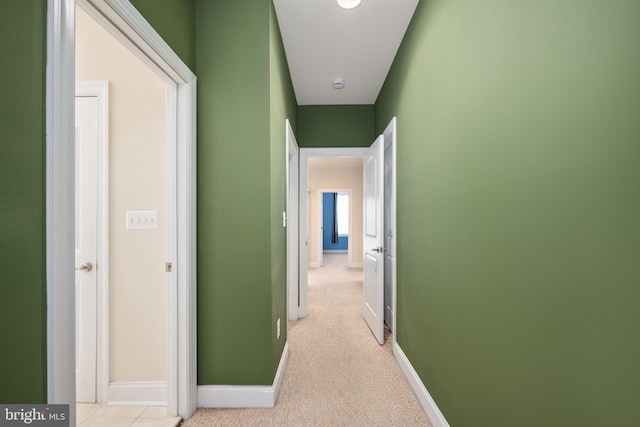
389	232
86	167
373	187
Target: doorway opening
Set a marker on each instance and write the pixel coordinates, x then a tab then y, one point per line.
321	169
130	29
123	301
334	216
384	251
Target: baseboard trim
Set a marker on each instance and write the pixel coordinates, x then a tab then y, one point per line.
314	265
139	393
425	399
277	381
355	265
335	251
232	396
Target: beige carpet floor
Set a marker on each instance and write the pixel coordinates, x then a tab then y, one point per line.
337	374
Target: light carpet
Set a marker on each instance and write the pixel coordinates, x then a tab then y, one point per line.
337	374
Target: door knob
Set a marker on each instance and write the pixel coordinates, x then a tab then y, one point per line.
378	249
87	267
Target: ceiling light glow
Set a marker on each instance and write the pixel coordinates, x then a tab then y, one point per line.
348	4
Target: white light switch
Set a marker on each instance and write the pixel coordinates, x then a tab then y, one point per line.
142	220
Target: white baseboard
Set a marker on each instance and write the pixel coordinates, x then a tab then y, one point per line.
355	265
277	381
425	399
138	393
314	265
232	396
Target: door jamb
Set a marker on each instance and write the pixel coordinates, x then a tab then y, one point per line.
305	154
134	30
60	196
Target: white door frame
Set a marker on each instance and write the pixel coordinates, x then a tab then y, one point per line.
305	154
292	220
136	33
100	90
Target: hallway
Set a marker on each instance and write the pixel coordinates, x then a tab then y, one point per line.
337	374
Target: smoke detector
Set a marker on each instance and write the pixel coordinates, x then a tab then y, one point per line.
337	83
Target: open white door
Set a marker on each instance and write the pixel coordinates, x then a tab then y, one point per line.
373	263
86	245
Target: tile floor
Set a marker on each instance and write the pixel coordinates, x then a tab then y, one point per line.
97	414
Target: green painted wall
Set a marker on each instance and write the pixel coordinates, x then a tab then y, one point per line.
335	126
282	106
518	209
234	280
175	21
244	95
22	202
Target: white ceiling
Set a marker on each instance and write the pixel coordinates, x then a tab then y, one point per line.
323	42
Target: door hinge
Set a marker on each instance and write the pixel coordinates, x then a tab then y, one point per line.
169	267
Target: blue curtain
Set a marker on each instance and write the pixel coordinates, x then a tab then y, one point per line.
334	233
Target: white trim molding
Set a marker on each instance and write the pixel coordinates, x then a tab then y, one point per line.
60	203
155	47
425	399
187	378
137	393
232	396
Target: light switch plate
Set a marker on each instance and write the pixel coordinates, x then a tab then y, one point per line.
142	220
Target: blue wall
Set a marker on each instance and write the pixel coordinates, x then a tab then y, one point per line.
327	226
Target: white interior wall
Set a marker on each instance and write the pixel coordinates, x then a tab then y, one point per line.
137	181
